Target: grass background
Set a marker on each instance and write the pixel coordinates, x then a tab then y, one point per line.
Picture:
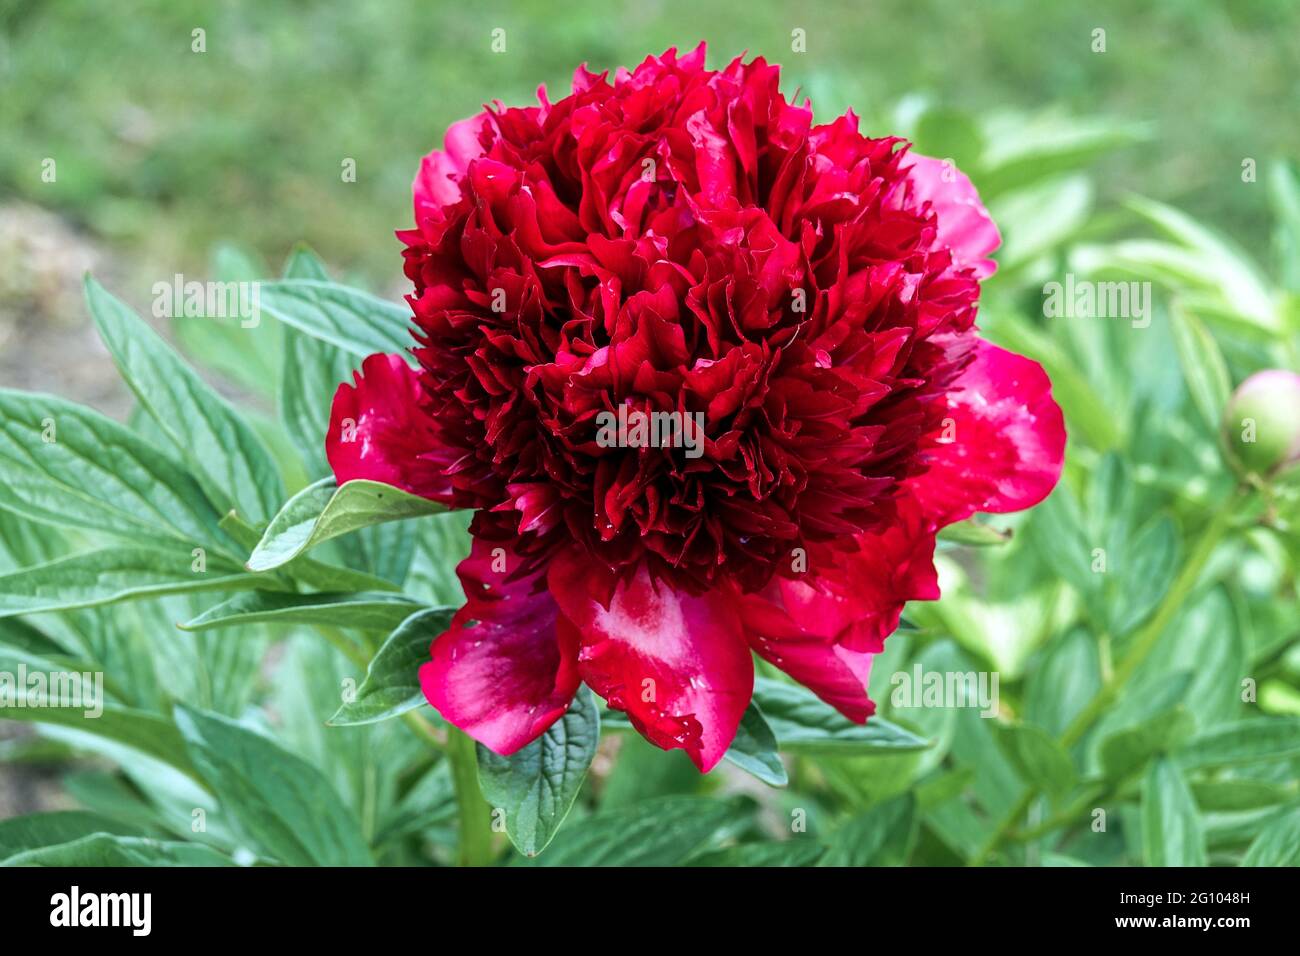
163	151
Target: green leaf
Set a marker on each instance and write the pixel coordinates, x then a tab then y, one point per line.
1284	196
1152	560
1066	678
314	574
137	729
246	354
1236	831
1128	751
644	771
662	832
1057	531
386	550
1037	758
1204	369
109	575
949	134
313	371
323	511
801	851
430	802
1219	261
1245	741
367	766
1143	701
938	789
443	542
148	733
1022	150
754	748
1206	639
536	786
1241	793
36	830
365	611
21	635
354	321
392	684
883	836
1039	219
108	794
802	722
105	850
975	534
65	464
218	446
279	802
1278	843
1171	830
303	263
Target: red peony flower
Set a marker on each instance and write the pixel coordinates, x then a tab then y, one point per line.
683	240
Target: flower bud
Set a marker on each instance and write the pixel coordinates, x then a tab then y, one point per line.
1261	423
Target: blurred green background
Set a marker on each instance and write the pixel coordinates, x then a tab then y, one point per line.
1164	688
163	151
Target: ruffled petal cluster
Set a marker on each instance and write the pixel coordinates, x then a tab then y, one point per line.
682	245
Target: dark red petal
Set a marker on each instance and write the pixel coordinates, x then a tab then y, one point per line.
676	662
832	671
1003	443
502	672
823	626
965	226
379	431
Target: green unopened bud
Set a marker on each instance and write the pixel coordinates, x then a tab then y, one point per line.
1261	424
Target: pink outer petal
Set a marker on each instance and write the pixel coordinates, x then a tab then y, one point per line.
1007	440
502	672
380	432
834	673
823	627
676	662
437	183
965	226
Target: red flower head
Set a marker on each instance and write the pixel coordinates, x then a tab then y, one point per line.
800	298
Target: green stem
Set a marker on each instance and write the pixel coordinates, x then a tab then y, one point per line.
475	827
1142	644
424	729
1066	817
1145	640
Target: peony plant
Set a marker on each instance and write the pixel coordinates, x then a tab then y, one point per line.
686	406
684	240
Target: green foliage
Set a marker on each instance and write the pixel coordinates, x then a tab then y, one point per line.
260	630
220	448
324	510
755	749
803	723
535	787
282	805
392	684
